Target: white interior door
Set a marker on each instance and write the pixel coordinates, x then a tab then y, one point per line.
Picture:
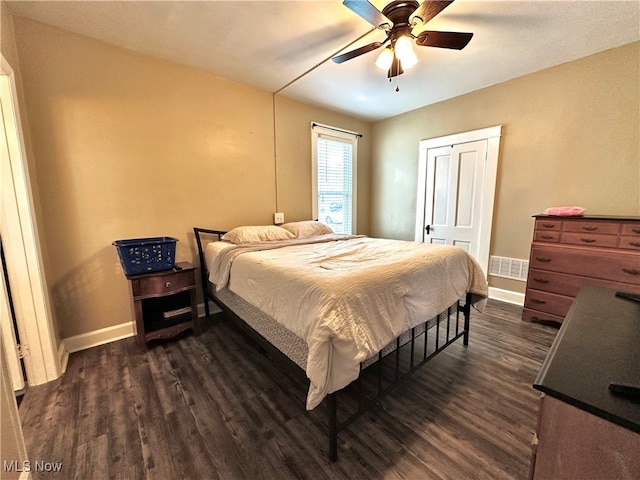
456	189
9	341
23	255
455	175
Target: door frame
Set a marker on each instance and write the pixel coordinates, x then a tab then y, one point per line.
23	252
492	136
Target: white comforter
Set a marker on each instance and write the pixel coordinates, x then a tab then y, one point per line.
347	297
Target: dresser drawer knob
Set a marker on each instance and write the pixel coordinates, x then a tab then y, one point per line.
539	302
590	228
548	225
631	271
167	284
547	237
635	230
540	280
543	259
588	240
635	244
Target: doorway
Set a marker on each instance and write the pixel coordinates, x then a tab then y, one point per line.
456	189
20	240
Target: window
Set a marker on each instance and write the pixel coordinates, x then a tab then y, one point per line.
334	177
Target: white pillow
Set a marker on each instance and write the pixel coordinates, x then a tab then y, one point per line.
307	228
257	233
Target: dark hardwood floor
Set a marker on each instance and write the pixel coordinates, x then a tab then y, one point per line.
212	406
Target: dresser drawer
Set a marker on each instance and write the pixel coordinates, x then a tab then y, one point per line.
590	239
548	224
162	284
529	315
591	227
630	242
596	263
569	285
548	302
544	236
631	229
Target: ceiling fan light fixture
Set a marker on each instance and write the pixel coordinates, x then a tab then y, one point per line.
385	59
404	47
408	59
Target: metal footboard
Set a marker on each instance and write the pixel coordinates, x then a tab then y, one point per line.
442	339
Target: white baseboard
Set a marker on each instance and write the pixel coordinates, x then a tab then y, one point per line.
106	335
98	337
507	296
63	356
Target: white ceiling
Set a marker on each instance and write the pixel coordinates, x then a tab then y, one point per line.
268	44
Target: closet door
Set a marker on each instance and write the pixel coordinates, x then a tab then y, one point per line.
454	180
456	189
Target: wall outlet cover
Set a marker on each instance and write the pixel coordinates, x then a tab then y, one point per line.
278	218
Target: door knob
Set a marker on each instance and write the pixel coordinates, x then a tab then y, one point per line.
428	229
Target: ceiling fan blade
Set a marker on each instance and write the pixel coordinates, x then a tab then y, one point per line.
427	10
453	40
356	53
367	11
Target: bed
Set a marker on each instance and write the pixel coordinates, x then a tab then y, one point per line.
335	307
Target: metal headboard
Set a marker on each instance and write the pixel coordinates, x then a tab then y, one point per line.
203	267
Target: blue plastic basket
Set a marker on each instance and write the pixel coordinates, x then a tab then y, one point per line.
144	255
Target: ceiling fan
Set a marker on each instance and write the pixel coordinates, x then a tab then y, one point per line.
398	19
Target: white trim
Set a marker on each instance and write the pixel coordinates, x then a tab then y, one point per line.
63	357
23	250
462	137
99	337
108	335
12	430
318	131
506	296
492	136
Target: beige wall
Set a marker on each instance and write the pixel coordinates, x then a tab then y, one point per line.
570	137
124	145
294	176
129	146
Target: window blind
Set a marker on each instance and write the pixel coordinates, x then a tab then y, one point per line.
335	183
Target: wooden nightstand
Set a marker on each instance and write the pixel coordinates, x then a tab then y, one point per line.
164	303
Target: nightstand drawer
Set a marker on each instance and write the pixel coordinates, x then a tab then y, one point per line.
164	303
162	284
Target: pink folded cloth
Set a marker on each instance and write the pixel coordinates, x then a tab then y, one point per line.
564	211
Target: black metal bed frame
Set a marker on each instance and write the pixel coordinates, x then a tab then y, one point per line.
442	340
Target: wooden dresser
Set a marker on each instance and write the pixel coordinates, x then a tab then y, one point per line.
570	252
585	430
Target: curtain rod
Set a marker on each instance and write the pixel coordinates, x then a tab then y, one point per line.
355	134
